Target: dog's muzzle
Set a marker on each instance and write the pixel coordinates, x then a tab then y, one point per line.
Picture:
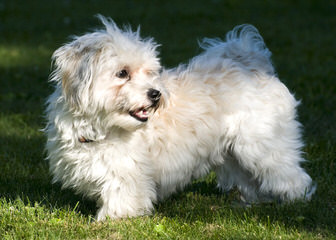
142	114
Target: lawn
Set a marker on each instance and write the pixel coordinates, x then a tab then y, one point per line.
301	36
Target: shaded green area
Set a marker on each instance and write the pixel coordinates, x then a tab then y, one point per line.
301	37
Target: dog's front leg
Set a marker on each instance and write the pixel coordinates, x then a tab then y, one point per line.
128	194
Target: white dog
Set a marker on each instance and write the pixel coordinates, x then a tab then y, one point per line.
124	133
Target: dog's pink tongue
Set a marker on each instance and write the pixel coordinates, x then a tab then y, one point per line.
142	114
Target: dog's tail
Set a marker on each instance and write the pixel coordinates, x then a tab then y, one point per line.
245	45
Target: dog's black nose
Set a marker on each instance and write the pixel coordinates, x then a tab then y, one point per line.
154	95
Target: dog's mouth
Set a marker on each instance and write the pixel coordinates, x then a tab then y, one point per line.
140	114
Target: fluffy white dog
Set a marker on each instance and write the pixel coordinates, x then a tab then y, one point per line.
124	132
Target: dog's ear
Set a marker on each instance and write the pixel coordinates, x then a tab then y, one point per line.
73	71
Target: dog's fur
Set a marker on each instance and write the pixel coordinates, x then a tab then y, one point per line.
111	138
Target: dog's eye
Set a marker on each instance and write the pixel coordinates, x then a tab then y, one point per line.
123	74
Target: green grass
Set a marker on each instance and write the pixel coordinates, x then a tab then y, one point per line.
302	39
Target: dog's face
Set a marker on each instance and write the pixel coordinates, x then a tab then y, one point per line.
112	73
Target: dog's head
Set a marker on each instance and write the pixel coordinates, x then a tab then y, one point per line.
111	73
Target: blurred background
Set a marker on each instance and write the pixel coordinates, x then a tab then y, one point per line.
299	33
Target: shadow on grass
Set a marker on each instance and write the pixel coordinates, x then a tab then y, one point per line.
25	176
203	202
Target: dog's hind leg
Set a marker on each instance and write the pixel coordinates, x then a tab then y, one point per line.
230	175
273	163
